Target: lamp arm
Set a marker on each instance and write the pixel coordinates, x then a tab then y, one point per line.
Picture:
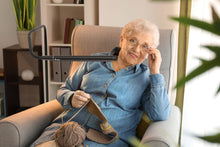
58	58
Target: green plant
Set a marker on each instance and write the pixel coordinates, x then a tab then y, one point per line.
206	65
25	14
211	138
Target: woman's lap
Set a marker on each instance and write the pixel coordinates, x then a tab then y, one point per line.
47	135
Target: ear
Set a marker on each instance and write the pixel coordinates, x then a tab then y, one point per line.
121	40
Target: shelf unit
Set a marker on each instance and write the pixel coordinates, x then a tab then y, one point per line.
20	94
53	16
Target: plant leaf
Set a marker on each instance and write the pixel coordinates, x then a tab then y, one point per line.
214	14
203	60
207	65
24	13
200	24
212	138
215	49
16	11
218	90
30	13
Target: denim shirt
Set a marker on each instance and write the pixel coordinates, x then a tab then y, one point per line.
122	96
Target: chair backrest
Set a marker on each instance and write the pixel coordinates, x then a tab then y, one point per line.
88	39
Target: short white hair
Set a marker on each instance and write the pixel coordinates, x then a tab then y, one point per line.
141	25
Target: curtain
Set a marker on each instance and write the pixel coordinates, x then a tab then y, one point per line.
201	104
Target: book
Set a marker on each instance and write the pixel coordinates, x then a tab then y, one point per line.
81	22
81	1
78	1
77	22
71	27
70	24
66	31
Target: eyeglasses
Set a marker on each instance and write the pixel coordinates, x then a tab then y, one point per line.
134	43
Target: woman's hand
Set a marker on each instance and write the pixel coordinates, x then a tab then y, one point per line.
79	99
154	60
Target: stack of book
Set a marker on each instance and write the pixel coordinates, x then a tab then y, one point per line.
78	1
70	24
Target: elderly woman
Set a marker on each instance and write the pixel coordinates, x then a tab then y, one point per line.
123	89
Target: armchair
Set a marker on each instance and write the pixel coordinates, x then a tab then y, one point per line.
23	128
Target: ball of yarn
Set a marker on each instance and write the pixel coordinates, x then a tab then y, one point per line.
70	134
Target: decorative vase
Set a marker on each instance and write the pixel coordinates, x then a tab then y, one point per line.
23	39
57	1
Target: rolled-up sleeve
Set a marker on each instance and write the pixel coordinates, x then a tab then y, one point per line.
155	100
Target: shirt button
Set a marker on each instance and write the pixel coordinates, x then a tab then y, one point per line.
126	68
102	96
114	75
106	85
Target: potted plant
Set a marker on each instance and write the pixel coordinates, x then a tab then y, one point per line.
214	28
25	18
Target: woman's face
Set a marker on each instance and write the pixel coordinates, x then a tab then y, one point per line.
134	48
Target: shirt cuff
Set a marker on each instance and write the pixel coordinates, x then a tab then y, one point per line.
157	80
65	101
68	103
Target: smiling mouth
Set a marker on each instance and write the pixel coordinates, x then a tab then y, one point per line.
133	55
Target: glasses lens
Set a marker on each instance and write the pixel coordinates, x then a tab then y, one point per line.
134	43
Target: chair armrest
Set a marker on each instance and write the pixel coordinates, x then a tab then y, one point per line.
23	128
164	133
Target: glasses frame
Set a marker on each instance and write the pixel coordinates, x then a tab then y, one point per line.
134	43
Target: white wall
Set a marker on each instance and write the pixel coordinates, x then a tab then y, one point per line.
8	28
120	12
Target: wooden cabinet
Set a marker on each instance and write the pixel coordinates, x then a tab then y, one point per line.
19	93
2	94
53	16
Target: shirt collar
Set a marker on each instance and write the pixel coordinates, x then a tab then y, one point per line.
115	51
